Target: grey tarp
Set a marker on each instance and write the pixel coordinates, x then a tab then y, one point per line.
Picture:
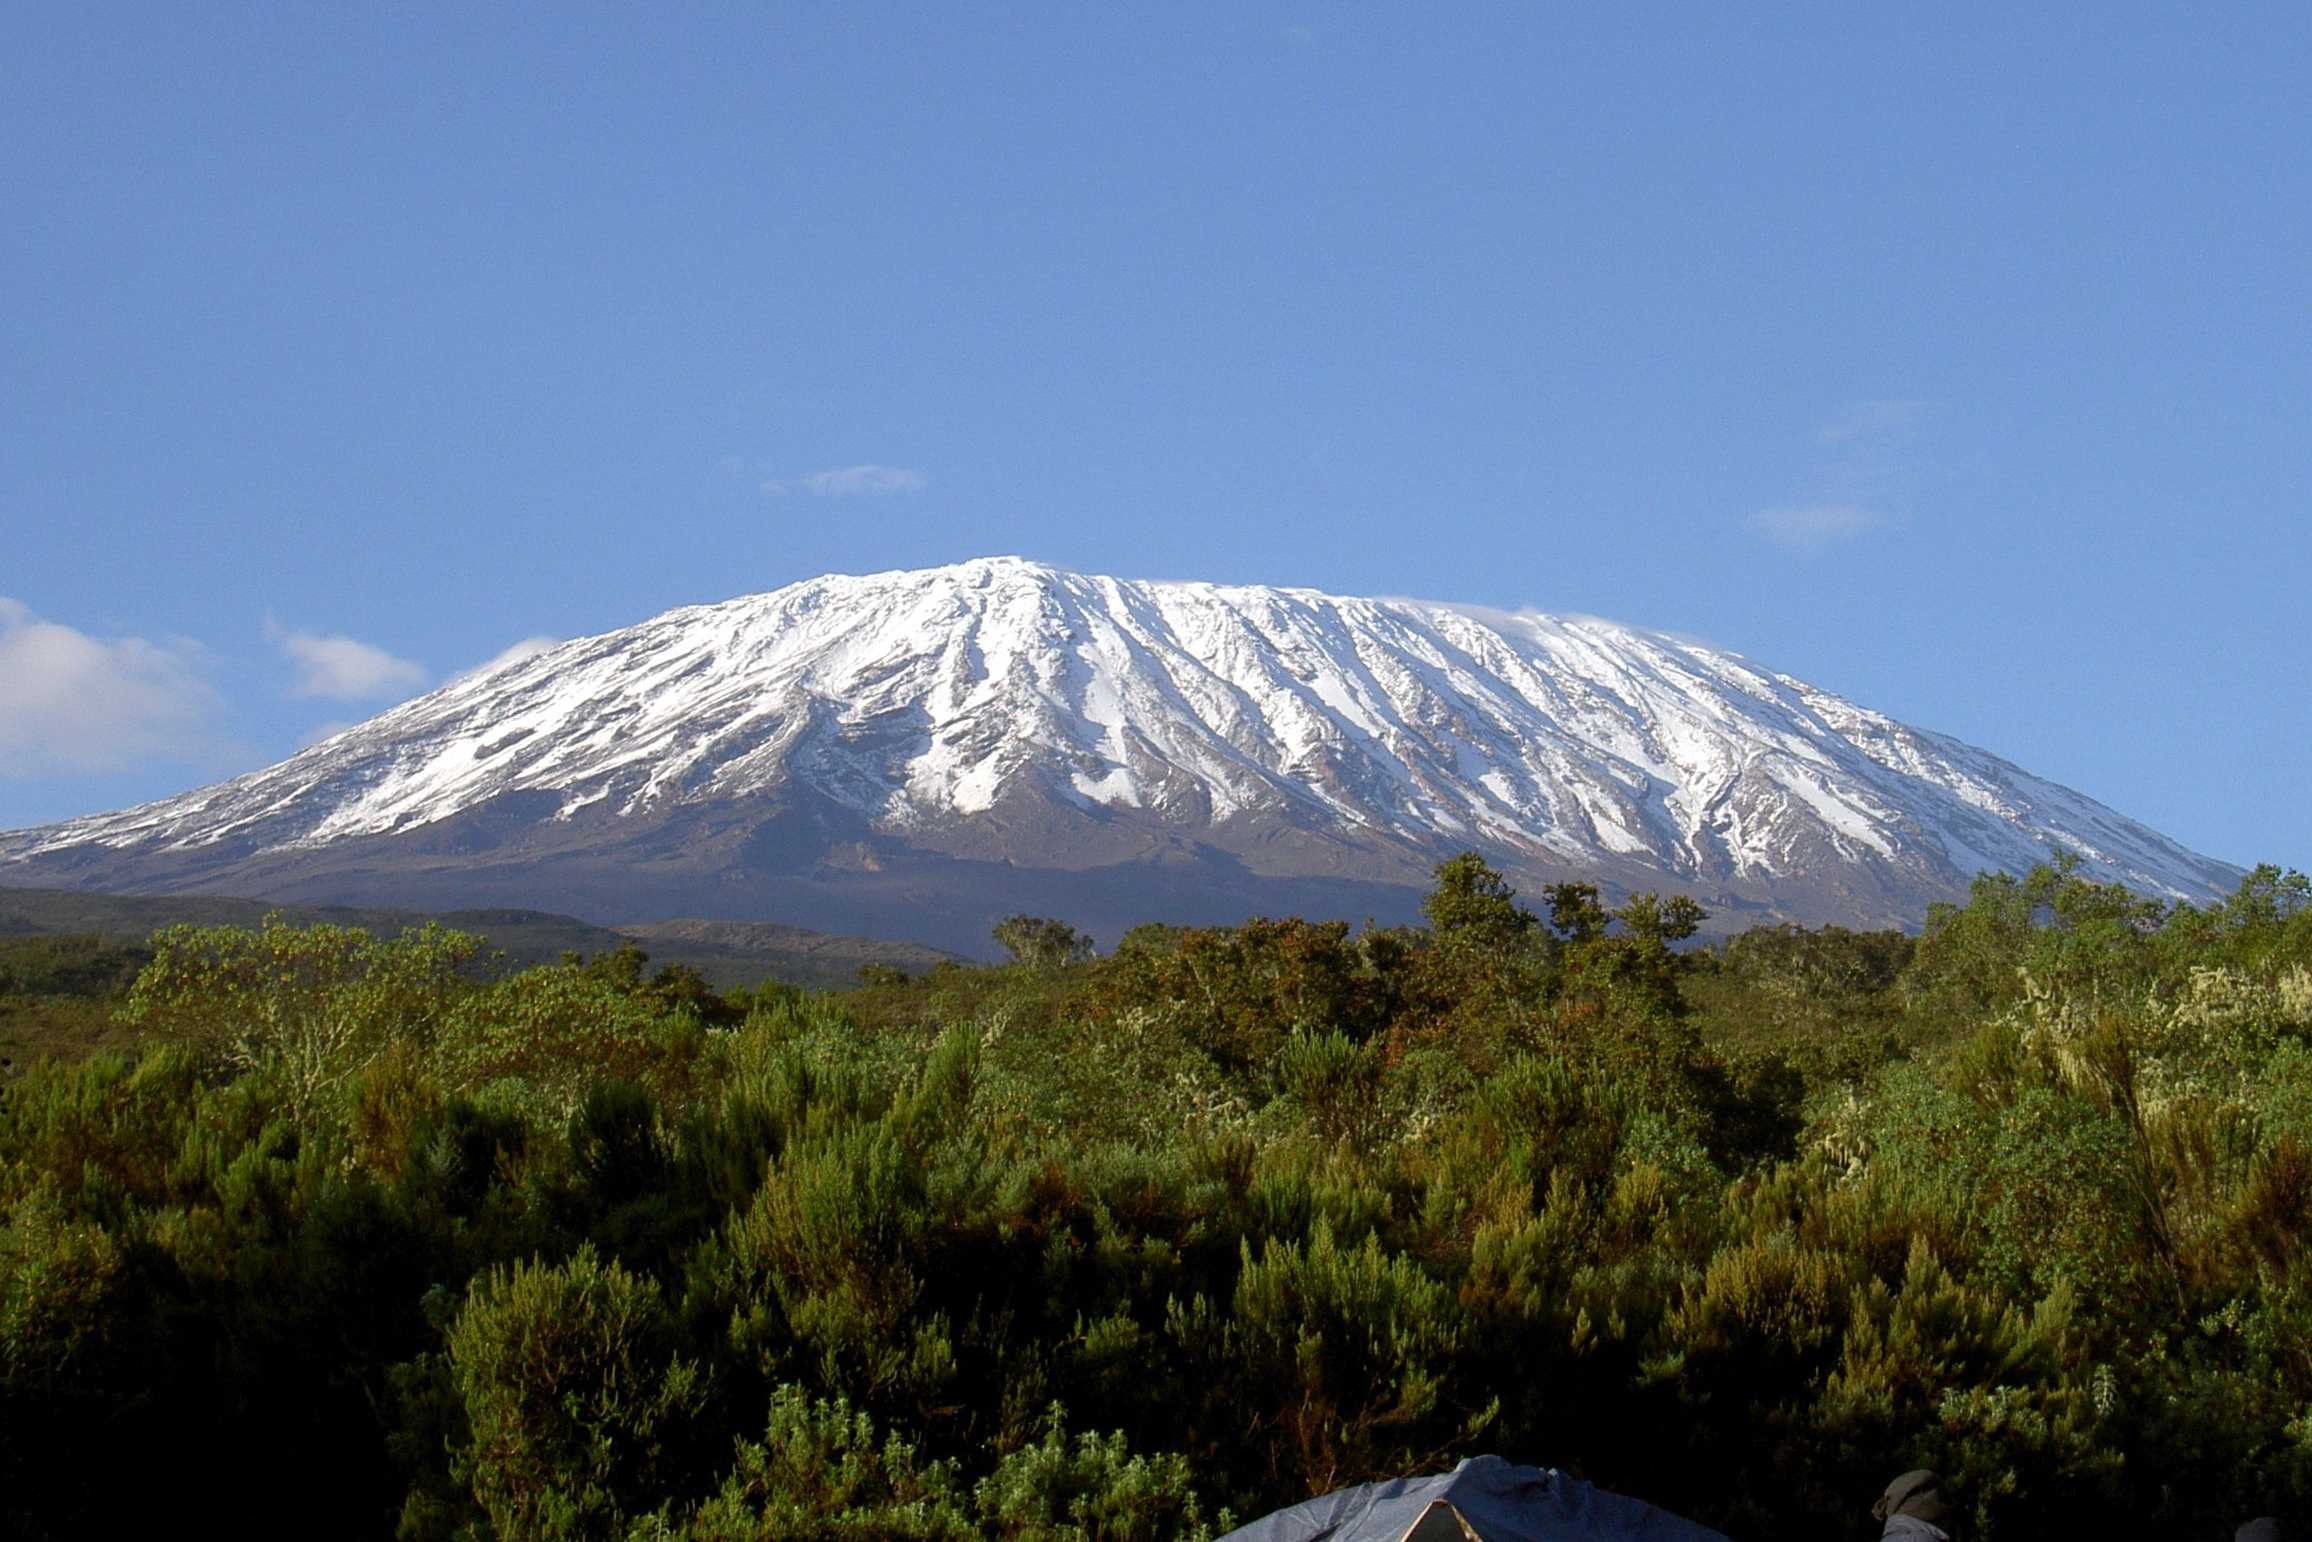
1497	1501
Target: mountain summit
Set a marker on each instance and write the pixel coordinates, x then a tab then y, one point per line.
916	752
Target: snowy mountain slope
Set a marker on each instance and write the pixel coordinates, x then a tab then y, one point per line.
1002	711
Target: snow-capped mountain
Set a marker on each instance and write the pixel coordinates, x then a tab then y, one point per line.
850	747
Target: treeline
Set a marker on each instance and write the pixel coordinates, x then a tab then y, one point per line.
357	1241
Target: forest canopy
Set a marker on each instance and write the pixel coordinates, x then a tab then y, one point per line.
1143	1244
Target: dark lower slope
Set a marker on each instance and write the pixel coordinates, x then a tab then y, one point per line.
726	956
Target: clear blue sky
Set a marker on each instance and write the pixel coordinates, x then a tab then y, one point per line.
1957	362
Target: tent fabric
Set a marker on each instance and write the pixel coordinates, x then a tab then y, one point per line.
1497	1500
1441	1523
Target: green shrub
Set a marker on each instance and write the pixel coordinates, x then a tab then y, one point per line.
1346	1354
820	1470
577	1405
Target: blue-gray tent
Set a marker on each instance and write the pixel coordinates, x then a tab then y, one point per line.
1485	1499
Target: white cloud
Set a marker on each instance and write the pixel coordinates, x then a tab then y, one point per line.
513	653
864	481
343	669
71	703
1872	421
1816	525
1865	470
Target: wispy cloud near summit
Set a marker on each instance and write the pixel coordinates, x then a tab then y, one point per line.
1877	423
1864	468
1815	525
340	668
512	653
864	482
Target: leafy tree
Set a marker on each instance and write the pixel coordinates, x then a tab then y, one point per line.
1648	918
310	1005
1239	993
1041	943
1484	966
621	968
1575	912
546	1034
1473	907
674	988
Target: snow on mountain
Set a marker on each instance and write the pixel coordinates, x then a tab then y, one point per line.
1249	720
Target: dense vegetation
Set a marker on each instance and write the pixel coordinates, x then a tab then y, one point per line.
353	1241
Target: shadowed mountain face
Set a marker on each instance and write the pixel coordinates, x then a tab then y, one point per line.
916	754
